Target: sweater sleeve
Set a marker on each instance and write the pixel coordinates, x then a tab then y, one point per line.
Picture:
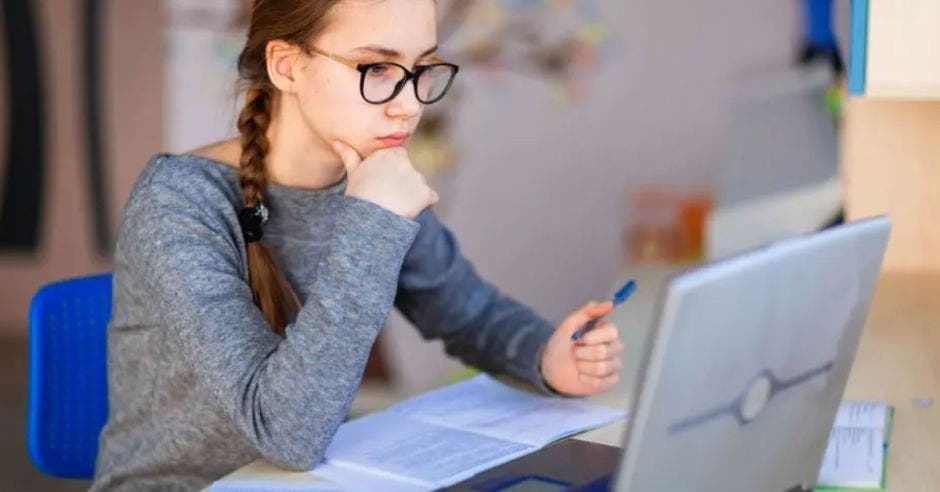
442	295
287	396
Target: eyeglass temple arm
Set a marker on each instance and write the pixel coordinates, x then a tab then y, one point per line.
352	64
344	61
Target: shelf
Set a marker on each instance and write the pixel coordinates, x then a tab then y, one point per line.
895	49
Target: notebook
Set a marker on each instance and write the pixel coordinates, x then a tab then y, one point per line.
444	436
857	450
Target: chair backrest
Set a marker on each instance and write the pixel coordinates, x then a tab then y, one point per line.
68	387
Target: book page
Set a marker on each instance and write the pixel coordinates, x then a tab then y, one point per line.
426	455
352	480
855	452
869	414
853	457
486	406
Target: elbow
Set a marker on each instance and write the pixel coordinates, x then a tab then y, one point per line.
298	461
288	438
295	449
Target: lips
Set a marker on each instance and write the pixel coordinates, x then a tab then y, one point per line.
394	139
399	135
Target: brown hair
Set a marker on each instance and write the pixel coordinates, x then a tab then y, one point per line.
294	21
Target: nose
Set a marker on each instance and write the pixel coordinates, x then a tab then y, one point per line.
405	105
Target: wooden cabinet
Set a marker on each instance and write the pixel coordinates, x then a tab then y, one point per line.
890	158
895	49
891	164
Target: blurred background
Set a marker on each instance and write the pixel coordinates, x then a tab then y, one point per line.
584	139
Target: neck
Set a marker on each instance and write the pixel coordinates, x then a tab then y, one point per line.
298	158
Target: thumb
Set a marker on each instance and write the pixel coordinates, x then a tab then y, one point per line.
351	158
587	312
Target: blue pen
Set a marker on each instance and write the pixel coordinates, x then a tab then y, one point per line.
622	295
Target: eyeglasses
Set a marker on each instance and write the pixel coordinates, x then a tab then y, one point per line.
383	81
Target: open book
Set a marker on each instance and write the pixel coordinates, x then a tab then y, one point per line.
444	436
858	445
448	435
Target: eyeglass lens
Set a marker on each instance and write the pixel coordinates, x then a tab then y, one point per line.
383	81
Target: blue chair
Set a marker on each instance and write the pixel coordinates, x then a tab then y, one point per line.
68	387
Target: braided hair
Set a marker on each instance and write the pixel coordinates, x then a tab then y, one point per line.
294	21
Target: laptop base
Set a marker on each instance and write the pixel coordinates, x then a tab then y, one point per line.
567	465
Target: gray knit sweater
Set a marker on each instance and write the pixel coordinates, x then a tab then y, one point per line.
200	386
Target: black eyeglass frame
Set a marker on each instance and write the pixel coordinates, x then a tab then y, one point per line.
363	69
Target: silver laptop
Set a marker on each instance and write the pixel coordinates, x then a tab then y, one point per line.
748	363
744	373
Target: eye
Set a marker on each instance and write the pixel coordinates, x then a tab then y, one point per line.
378	70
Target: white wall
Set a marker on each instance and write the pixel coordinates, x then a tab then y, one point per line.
541	192
540	203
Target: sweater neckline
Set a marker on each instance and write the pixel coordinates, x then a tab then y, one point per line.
275	190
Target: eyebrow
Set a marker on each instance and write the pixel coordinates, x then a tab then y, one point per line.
381	50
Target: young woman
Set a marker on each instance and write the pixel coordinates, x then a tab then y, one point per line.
252	276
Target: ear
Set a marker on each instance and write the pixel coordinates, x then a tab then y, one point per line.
281	58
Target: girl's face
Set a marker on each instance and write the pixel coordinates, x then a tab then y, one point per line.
365	31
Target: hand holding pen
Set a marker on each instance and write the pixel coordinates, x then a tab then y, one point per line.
593	363
622	295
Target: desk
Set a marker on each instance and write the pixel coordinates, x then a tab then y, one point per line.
898	360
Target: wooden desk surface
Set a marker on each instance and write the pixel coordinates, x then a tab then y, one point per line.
898	360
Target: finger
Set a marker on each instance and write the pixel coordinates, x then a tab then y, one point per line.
587	312
350	157
599	369
603	351
598	384
599	308
434	197
600	324
602	334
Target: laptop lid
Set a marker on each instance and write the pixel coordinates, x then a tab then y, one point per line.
748	362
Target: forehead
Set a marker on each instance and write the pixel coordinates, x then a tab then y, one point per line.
406	26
